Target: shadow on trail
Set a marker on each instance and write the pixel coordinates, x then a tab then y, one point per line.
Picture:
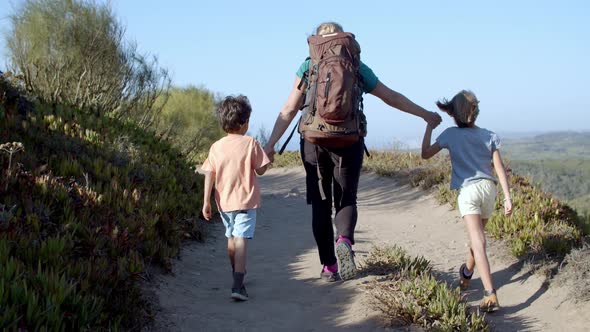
283	272
283	282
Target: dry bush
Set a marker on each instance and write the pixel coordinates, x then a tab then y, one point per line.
575	273
74	53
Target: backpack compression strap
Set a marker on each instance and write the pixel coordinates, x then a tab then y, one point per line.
303	81
289	138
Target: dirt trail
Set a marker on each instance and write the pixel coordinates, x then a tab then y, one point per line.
283	268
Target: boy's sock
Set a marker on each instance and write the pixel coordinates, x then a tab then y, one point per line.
331	268
238	280
345	239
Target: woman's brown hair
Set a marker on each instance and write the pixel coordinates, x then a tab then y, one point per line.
327	28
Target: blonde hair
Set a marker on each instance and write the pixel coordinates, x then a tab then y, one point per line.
327	28
464	108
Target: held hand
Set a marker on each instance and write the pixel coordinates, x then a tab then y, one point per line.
270	153
507	207
433	119
207	211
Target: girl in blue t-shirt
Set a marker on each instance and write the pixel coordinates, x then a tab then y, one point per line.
472	150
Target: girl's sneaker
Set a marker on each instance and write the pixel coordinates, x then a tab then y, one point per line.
489	303
346	259
239	294
463	279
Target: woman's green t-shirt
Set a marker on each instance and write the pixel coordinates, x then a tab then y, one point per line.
369	78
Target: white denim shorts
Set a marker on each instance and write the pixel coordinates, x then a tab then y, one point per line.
478	198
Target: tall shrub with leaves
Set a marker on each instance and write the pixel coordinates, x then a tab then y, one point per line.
188	120
74	52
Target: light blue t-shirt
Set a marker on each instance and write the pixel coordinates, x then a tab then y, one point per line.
369	78
471	154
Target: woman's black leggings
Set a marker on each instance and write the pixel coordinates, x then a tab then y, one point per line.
339	170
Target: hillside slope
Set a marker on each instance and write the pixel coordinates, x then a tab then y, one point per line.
85	207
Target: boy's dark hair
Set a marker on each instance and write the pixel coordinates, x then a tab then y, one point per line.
233	112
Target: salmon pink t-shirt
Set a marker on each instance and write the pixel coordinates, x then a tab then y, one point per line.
234	159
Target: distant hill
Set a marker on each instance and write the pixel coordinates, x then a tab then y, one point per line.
559	162
556	145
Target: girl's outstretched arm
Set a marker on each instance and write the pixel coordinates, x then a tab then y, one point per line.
501	171
428	151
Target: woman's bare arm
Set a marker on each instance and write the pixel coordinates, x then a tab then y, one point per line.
288	112
399	101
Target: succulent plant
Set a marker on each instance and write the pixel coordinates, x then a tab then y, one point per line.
75	233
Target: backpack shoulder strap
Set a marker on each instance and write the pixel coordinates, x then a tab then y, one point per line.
305	76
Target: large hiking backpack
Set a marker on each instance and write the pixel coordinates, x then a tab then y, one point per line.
333	108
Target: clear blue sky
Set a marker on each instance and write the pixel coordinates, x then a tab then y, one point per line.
527	61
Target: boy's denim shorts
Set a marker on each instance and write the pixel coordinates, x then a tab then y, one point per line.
239	223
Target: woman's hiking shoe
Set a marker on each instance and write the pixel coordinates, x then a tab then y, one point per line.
239	294
329	276
346	260
489	302
463	279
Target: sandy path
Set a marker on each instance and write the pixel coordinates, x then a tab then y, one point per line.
283	268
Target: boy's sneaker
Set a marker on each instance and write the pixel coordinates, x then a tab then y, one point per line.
239	294
329	276
463	279
489	302
346	259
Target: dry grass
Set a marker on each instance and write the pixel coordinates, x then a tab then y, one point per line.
287	159
419	172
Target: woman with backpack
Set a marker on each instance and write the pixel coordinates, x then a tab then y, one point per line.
328	88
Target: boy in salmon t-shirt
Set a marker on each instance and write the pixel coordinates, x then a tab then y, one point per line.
233	163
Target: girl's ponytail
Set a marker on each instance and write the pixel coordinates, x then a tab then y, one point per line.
463	108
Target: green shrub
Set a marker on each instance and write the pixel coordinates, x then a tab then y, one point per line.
188	120
385	260
88	205
288	159
540	224
410	294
